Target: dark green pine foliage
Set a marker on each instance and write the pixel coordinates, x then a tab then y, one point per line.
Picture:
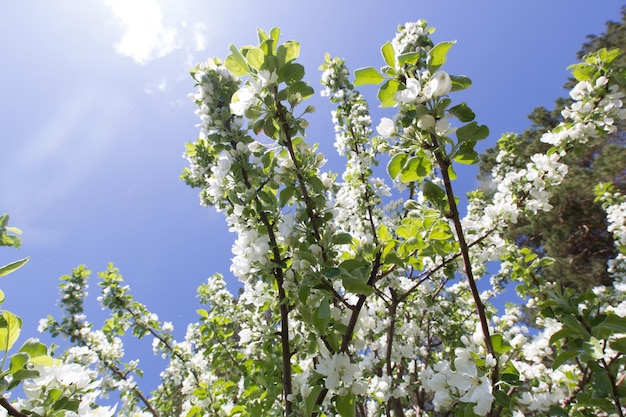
574	232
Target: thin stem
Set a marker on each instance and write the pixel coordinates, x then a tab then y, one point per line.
162	340
444	164
280	112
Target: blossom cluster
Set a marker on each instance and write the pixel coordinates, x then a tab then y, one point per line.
358	298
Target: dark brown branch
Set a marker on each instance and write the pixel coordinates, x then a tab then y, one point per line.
12	411
444	164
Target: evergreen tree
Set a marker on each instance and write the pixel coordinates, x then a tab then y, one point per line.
574	232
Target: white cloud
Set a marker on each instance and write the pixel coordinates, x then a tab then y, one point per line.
149	32
144	35
199	31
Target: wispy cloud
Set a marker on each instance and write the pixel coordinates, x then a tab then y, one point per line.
150	32
152	88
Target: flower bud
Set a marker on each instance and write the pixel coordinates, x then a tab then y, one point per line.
439	85
386	127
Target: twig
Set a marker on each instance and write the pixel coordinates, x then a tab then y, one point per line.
12	411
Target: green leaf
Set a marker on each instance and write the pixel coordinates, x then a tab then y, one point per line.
500	346
433	192
387	92
570	321
262	35
331	272
451	173
302	88
557	411
285	194
292	50
619	345
395	165
356	286
23	374
564	357
439	233
462	112
389	54
582	72
593	348
368	75
309	402
13	266
511	379
563	333
291	72
33	347
501	398
45	361
601	384
394	259
416	169
609	55
342	239
235	63
460	82
10	327
351	265
472	132
18	361
465	154
275	33
409	58
255	58
437	55
346	405
614	323
408	229
321	316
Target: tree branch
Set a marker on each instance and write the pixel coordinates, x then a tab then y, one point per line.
444	164
12	411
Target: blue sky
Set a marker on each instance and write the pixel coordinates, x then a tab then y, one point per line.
94	117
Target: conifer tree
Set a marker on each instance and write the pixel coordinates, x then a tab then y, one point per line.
574	232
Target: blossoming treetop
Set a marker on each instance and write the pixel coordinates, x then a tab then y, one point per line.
359	294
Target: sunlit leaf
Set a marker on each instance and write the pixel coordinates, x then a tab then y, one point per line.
10	330
460	82
369	75
387	92
395	165
388	54
255	58
13	266
236	63
437	55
